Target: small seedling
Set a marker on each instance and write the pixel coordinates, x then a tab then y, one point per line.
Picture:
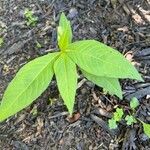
1	41
130	119
98	62
34	111
112	123
38	45
31	20
117	117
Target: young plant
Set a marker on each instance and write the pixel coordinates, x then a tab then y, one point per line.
130	119
99	63
38	45
31	20
117	117
1	41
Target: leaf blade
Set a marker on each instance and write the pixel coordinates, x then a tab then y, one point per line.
118	114
112	123
24	88
66	76
130	119
110	84
134	103
146	128
64	32
101	60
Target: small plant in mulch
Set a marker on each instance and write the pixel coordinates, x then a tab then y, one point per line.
98	62
130	119
31	20
1	41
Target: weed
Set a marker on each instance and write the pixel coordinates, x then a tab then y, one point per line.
130	119
98	62
31	20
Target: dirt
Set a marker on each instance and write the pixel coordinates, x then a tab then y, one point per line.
121	24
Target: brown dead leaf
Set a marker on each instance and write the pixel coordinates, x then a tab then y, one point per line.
74	117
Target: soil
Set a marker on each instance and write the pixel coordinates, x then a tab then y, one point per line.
44	125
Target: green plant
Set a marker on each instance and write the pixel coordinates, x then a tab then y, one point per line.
1	41
117	117
31	20
146	128
99	63
38	45
130	119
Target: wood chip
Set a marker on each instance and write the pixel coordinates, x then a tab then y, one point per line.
104	125
139	94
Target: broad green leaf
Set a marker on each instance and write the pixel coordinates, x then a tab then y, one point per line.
112	123
118	114
101	60
130	119
146	128
66	76
134	103
28	84
109	84
64	32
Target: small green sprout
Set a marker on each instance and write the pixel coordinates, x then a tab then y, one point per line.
117	116
130	119
1	41
112	123
34	111
134	103
31	20
38	45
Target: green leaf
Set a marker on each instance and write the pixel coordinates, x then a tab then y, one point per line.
30	18
28	84
101	60
66	76
118	114
146	128
134	103
109	84
64	32
130	119
112	123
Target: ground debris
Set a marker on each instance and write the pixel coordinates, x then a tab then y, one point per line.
129	140
104	125
143	52
16	47
139	93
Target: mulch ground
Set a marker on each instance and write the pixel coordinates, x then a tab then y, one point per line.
121	24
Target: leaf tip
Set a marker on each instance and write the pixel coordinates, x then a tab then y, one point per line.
120	96
139	77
